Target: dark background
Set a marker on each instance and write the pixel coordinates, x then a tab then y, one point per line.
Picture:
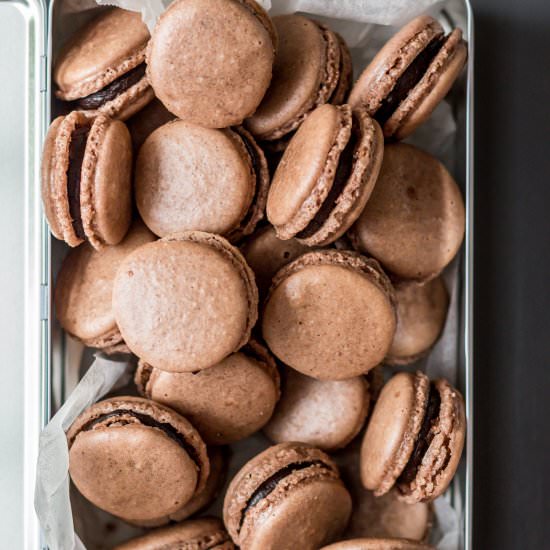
512	275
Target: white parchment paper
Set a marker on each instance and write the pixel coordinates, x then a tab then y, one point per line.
363	23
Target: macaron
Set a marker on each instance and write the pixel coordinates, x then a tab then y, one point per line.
288	496
185	302
136	459
312	67
102	67
413	223
326	175
421	314
145	122
195	534
84	287
226	402
86	179
266	254
326	414
378	544
410	75
210	62
330	315
414	438
190	178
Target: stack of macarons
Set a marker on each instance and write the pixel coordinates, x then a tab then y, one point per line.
244	222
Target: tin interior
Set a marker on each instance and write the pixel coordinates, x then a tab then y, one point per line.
63	361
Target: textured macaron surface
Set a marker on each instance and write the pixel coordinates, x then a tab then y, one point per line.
378	544
186	302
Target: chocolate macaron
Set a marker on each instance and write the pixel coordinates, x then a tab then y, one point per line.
135	458
210	62
289	496
102	68
378	544
190	178
421	314
326	414
195	534
413	223
86	179
326	175
185	302
312	67
84	287
226	402
410	75
145	122
414	438
330	314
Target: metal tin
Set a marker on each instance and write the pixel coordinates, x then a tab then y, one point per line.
45	343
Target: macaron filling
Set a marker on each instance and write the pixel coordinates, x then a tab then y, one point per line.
112	90
425	436
77	147
270	484
408	80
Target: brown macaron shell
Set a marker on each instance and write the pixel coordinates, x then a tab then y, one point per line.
414	221
234	48
190	178
103	55
421	314
289	496
145	122
92	200
330	315
135	458
195	534
326	414
325	176
226	402
83	290
185	302
306	74
378	544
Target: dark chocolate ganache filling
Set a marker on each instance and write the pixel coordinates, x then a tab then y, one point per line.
343	173
424	439
147	420
77	146
112	90
408	80
269	485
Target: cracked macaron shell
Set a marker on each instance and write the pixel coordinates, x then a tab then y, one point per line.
83	289
332	152
225	402
414	221
185	302
330	314
124	457
196	534
105	180
222	94
378	544
306	508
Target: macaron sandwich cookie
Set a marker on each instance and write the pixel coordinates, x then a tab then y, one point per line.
379	544
185	302
414	438
312	67
226	402
413	223
102	68
196	534
289	496
84	287
192	178
86	179
325	176
216	76
135	458
330	314
410	75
